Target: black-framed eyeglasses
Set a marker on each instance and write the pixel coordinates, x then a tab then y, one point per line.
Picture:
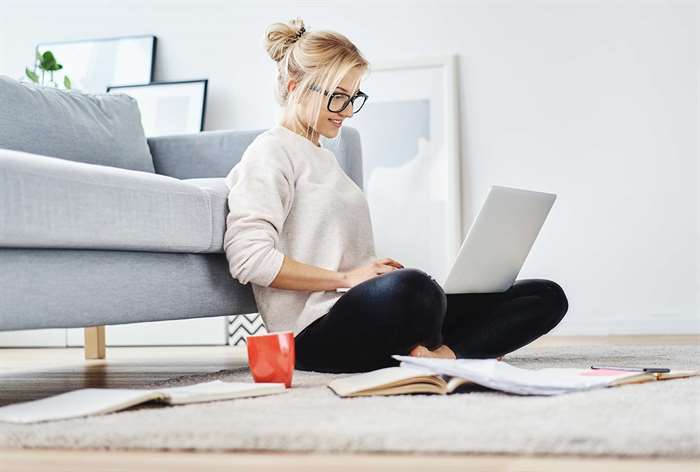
338	101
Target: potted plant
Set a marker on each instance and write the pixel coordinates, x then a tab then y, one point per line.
46	62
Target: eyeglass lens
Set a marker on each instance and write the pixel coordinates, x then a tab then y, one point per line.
338	102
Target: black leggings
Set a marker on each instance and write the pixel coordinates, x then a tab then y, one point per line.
394	312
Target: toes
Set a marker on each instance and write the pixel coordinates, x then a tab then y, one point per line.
420	351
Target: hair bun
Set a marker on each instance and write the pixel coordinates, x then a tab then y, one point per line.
280	36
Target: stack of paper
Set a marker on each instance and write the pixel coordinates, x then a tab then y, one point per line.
500	375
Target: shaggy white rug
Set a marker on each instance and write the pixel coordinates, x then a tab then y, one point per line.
654	419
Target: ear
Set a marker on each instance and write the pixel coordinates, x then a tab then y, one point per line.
291	85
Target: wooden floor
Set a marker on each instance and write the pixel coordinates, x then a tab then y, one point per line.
31	373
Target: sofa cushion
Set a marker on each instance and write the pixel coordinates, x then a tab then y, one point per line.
46	202
94	128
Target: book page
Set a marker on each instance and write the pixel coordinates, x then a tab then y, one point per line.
676	374
455	382
82	402
219	390
377	378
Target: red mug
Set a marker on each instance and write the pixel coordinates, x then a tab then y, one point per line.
271	357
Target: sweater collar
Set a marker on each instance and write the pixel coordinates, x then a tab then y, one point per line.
300	138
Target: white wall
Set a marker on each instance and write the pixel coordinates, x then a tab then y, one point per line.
594	100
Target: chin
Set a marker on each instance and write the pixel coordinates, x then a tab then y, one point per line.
331	133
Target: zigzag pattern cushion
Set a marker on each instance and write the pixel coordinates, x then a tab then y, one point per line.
242	326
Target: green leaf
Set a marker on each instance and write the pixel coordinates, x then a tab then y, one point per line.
32	76
66	82
48	61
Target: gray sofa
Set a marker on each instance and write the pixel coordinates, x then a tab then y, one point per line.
101	226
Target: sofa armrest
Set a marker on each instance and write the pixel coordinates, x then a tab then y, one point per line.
214	153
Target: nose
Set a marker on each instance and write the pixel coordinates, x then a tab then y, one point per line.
347	112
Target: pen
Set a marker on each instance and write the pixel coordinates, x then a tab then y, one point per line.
633	369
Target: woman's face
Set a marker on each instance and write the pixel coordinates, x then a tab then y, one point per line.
329	123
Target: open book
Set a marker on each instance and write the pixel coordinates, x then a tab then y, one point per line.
444	376
395	380
93	401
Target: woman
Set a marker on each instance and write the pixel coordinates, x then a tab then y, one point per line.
299	228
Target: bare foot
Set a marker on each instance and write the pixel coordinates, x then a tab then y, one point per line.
444	351
420	351
441	351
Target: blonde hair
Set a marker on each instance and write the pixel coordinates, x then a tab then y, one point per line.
320	58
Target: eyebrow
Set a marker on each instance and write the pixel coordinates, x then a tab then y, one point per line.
341	88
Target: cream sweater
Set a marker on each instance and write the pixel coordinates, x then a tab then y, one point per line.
288	196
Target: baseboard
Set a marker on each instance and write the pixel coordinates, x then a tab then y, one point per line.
627	326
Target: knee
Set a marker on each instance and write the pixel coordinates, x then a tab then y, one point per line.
556	299
418	288
547	290
421	301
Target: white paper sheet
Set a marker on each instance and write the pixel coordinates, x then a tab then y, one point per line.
218	389
92	401
82	402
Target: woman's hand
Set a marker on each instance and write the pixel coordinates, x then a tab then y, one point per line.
369	271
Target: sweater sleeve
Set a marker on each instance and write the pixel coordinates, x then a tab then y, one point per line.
261	191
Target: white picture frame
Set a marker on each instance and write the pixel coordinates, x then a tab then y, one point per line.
413	182
93	64
168	107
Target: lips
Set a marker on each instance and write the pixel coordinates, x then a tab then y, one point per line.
335	123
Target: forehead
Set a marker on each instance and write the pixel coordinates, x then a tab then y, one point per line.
350	82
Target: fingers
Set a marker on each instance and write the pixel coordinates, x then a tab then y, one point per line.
392	262
383	269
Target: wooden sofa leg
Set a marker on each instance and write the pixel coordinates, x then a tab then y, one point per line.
95	342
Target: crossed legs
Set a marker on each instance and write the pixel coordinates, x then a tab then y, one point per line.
401	311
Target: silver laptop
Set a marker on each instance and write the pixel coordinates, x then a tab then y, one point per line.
499	240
